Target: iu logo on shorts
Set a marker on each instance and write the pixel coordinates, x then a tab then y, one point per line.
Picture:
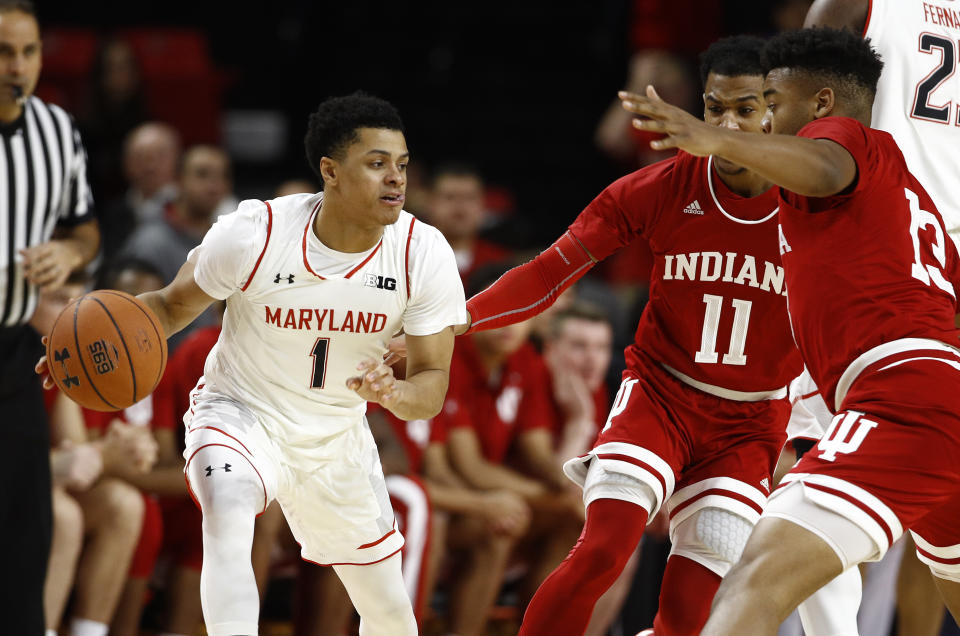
847	431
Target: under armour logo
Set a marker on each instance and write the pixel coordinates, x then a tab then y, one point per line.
225	468
288	278
62	356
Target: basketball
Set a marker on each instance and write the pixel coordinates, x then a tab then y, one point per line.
107	350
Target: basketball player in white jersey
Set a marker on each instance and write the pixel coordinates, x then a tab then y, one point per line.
918	102
315	285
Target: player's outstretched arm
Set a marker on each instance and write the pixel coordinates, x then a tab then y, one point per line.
420	395
177	304
808	167
850	14
528	289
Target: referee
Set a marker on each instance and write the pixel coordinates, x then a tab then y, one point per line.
47	230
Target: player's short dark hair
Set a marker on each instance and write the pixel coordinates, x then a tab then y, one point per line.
455	168
838	56
24	6
333	127
735	55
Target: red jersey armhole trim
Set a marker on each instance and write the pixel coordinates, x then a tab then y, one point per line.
265	243
406	256
306	263
866	24
365	261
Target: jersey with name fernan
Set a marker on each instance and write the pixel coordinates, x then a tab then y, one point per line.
918	96
717	310
868	266
300	316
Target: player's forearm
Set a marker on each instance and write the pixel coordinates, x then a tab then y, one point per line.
809	167
421	395
529	289
172	316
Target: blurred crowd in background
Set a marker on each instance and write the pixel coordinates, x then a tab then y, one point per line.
512	121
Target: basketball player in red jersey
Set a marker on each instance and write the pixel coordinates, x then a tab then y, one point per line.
872	278
700	417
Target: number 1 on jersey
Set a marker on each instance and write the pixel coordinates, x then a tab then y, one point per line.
319	354
711	323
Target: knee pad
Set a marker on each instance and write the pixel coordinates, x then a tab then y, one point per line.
606	484
713	537
222	479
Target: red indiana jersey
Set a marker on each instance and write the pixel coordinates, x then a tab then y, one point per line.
518	401
868	266
717	312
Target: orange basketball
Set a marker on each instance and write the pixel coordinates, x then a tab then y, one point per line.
106	350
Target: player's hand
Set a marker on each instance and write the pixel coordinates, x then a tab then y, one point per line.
680	128
76	467
43	369
396	350
376	383
49	264
506	513
128	448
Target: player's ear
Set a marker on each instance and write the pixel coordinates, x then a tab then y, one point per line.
329	170
825	103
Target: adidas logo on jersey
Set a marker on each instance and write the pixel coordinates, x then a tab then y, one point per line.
693	208
765	483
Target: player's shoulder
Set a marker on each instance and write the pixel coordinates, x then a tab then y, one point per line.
418	237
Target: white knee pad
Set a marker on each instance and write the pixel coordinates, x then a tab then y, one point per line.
713	537
231	494
606	484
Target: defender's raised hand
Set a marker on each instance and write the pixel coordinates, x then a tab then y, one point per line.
680	128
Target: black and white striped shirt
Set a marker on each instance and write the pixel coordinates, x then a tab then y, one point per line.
43	183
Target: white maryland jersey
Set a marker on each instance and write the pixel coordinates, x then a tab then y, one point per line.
918	98
301	316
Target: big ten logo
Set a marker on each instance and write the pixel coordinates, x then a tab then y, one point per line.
380	282
101	356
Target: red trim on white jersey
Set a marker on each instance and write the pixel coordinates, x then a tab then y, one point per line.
264	250
866	23
186	467
366	260
306	263
214	428
377	542
326	565
406	256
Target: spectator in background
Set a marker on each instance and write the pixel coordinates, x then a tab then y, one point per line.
296	186
115	106
203	181
499	434
455	206
151	153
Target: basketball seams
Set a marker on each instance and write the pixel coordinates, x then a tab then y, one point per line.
76	340
123	341
153	323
